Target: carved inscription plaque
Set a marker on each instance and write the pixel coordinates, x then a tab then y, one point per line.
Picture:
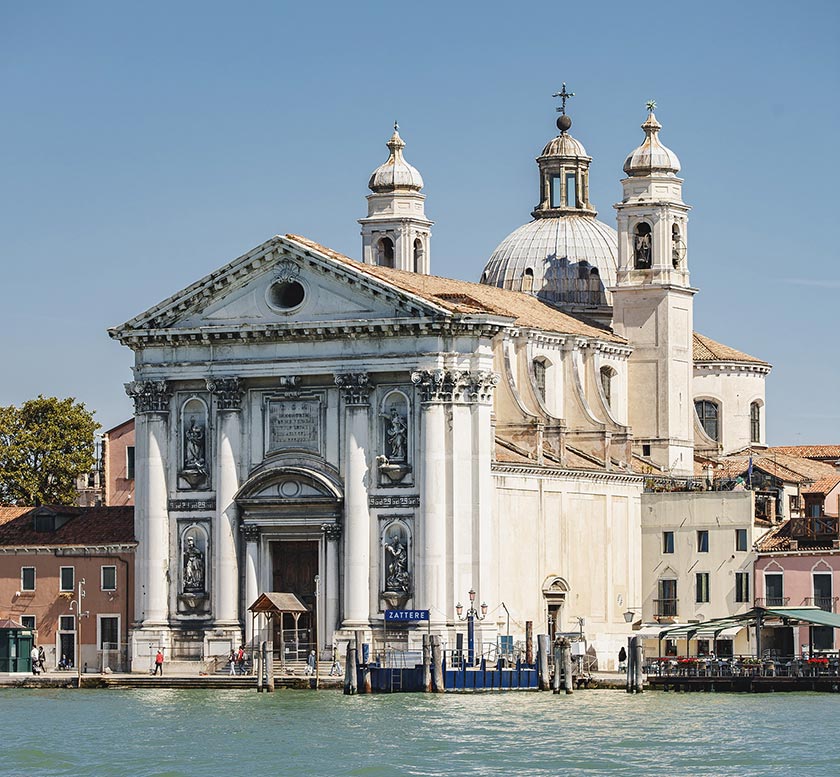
294	423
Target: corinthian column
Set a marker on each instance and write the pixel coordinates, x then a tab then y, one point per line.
228	394
151	514
355	390
251	535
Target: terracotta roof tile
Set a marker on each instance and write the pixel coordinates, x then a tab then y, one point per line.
779	540
788	468
823	486
466	297
707	350
85	526
810	451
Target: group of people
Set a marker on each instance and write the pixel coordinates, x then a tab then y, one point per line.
236	658
38	657
311	663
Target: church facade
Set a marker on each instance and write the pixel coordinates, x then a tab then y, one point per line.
373	437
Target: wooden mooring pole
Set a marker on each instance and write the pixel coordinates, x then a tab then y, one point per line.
542	658
268	662
638	665
360	639
566	654
351	671
258	661
529	642
427	664
558	666
437	665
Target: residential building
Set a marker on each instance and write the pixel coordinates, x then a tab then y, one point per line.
46	553
118	464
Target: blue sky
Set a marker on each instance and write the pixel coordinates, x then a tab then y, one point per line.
144	145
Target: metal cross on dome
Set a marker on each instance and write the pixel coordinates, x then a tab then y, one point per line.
651	105
563	95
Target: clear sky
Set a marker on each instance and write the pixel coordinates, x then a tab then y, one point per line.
143	145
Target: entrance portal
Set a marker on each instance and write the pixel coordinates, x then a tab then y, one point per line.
294	565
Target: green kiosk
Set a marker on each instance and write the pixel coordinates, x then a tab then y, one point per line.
15	647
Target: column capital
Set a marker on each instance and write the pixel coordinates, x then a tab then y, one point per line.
480	385
150	396
250	532
455	385
355	386
332	531
228	392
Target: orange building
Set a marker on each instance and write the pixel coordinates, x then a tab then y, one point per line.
46	554
118	464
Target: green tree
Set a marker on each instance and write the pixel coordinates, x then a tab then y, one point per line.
45	444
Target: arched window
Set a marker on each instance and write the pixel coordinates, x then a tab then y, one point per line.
385	252
642	245
540	368
528	280
418	255
755	422
677	246
709	415
607	375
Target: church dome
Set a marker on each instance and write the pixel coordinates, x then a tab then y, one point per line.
396	173
564	145
565	260
651	156
565	256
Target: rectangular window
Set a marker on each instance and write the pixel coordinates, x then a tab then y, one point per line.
740	539
703	541
27	578
822	591
571	190
666	604
823	637
742	586
27	621
556	194
109	578
66	622
129	462
773	590
667	542
109	632
67	576
702	587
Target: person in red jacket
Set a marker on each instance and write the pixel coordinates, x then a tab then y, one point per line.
159	662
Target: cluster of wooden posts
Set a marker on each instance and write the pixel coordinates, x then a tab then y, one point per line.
357	677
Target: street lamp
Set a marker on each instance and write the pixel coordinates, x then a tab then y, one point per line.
79	615
471	617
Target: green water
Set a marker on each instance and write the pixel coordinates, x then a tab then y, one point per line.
242	733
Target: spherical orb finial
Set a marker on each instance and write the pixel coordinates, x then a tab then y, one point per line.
564	123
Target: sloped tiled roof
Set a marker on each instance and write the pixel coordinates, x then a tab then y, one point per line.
466	297
788	468
810	451
85	526
707	350
779	540
823	486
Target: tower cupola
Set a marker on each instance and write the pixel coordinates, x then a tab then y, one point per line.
651	156
396	232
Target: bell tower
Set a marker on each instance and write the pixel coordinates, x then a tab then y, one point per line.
653	303
396	232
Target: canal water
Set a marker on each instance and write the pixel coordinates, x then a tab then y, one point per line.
301	733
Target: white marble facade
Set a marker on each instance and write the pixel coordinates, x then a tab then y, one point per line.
405	438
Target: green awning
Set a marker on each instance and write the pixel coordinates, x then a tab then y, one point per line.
808	614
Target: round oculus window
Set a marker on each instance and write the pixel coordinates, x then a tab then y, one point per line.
286	294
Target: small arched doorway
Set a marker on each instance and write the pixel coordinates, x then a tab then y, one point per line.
555	589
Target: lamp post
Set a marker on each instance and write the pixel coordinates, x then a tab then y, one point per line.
79	615
471	617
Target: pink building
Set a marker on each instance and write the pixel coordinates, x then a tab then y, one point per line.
799	564
118	464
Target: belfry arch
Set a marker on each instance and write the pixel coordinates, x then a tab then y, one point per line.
290	519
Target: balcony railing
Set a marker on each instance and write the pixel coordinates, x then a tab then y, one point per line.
665	608
827	603
772	601
815	527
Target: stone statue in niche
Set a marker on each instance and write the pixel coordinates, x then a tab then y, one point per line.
397	579
194	471
396	433
194	568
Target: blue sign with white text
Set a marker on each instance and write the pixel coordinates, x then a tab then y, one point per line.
406	615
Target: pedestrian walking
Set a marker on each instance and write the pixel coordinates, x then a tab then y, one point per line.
232	662
34	656
159	663
310	663
42	657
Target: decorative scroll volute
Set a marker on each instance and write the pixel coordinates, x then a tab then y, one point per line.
228	392
355	386
150	396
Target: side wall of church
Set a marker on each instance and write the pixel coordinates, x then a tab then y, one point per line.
570	540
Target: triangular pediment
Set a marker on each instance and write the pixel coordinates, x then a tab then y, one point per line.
281	283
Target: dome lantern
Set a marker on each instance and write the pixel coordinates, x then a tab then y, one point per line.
651	156
395	174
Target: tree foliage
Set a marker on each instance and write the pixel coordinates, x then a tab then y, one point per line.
45	444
